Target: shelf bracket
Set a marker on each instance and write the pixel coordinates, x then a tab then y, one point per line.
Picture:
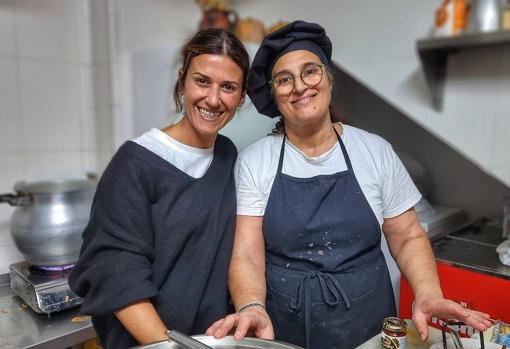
434	56
434	66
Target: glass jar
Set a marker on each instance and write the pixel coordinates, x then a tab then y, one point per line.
394	333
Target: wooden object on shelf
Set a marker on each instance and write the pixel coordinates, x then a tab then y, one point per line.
250	30
505	16
216	14
276	26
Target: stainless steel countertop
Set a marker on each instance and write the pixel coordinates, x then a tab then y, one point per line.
21	327
473	248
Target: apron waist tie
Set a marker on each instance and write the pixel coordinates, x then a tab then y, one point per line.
331	291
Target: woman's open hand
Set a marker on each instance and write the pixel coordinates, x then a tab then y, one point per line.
255	320
425	308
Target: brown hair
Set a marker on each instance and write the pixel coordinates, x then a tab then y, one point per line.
211	41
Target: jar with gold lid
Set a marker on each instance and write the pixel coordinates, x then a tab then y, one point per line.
394	333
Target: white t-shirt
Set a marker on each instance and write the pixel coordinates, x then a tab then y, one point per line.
192	161
384	181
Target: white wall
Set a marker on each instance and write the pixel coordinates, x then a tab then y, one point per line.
49	63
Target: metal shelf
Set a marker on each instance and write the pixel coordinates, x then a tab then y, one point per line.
434	56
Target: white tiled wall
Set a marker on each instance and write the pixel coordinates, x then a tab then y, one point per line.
49	97
48	29
7	46
50	104
10	130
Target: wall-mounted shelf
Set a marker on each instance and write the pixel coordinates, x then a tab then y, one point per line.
434	56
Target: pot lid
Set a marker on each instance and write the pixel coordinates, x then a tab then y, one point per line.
54	186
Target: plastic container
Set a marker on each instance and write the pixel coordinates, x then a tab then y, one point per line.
451	18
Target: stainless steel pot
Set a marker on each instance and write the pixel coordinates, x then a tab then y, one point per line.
225	343
484	16
49	218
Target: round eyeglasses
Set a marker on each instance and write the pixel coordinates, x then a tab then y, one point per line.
311	75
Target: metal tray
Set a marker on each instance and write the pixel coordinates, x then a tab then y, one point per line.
225	343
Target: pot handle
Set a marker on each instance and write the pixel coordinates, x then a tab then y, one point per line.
186	341
20	199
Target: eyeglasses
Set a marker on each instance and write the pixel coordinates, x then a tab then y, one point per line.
311	75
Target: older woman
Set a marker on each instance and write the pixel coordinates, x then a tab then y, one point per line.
156	251
312	201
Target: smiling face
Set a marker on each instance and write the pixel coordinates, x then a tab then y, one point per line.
304	105
212	92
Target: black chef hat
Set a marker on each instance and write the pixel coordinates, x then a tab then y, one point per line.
298	35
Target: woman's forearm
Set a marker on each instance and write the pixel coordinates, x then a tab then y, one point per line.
417	263
142	322
247	281
411	249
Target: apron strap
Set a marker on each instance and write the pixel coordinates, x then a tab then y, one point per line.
344	151
280	160
331	290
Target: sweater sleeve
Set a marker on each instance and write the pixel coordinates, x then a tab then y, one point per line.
114	269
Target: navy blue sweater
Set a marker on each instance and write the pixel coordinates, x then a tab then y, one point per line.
156	233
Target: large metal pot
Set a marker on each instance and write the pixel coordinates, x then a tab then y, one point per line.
484	16
49	218
225	343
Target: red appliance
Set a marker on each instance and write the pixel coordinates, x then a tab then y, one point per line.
469	271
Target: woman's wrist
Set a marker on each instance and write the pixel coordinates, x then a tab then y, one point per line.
251	305
429	291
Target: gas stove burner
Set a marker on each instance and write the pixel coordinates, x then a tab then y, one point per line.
44	290
54	268
49	270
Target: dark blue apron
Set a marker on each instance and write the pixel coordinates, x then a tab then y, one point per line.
328	285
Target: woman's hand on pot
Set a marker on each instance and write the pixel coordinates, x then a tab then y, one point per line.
425	308
254	320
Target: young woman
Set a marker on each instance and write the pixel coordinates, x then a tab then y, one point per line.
156	250
313	201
